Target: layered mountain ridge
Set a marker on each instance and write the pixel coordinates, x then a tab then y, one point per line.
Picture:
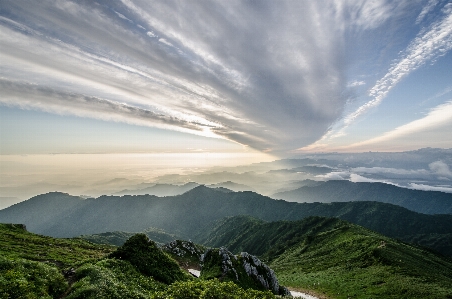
193	213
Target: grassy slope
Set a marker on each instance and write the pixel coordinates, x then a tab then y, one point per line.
340	259
118	238
16	242
34	266
356	263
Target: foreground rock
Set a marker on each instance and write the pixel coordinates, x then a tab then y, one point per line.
245	270
186	253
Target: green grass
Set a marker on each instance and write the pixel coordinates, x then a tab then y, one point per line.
118	238
21	278
370	282
150	260
112	278
210	289
337	258
328	256
16	242
34	266
352	262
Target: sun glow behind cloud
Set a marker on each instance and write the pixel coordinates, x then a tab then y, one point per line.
141	63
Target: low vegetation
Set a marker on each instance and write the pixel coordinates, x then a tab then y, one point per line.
20	278
118	238
34	266
339	259
17	242
113	278
149	260
208	289
327	256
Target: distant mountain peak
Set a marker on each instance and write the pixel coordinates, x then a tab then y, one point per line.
200	188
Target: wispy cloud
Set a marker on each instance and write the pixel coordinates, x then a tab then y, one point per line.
335	175
426	9
270	75
438	117
265	74
356	83
30	96
366	15
429	45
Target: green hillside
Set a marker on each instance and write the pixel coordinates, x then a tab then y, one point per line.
339	259
195	212
118	238
17	242
34	266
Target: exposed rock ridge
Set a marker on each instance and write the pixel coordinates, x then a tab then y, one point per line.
183	248
260	271
245	270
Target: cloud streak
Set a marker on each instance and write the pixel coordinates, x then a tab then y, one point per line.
29	96
267	75
427	8
437	118
435	42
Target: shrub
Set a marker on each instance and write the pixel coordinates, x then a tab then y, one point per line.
27	279
210	289
150	260
111	278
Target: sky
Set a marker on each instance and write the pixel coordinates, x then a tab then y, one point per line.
273	77
230	81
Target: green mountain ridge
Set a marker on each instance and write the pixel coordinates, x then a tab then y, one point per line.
337	258
322	255
427	202
191	214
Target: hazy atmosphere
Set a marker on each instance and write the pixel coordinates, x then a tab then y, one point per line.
93	91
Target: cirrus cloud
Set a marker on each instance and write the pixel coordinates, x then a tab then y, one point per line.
429	45
269	75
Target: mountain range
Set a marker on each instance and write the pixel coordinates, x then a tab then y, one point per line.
160	190
193	213
427	202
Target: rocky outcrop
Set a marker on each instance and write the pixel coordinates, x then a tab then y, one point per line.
260	272
245	270
186	253
184	249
